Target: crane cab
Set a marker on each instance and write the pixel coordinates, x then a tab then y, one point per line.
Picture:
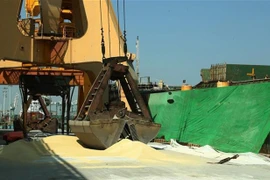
59	18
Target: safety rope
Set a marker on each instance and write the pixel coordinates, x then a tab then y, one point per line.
102	33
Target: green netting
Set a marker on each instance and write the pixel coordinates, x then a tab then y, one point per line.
230	119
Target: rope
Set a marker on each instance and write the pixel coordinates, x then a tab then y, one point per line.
102	32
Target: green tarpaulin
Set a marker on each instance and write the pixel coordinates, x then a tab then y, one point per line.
230	119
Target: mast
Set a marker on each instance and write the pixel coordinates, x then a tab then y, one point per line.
137	59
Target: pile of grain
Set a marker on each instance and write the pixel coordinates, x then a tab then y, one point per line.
21	151
68	146
135	150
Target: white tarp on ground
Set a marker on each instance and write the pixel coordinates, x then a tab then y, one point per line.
214	155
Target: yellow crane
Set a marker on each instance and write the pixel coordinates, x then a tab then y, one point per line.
63	43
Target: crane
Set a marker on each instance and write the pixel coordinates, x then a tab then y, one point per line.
72	36
14	106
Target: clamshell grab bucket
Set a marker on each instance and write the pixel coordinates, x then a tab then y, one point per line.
99	128
101	134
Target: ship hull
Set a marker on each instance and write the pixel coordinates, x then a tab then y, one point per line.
230	119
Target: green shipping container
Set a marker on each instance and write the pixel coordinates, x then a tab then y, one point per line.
205	75
238	72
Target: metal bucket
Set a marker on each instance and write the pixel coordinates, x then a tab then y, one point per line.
101	134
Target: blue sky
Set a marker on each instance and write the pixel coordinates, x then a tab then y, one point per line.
179	38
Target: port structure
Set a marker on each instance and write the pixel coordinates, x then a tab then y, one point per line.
62	34
40	38
35	82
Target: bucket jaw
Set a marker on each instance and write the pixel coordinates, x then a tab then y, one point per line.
98	134
142	130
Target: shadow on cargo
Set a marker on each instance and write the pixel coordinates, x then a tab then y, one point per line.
35	160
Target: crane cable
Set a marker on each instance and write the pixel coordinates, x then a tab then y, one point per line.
109	28
102	30
125	39
118	30
102	33
118	34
